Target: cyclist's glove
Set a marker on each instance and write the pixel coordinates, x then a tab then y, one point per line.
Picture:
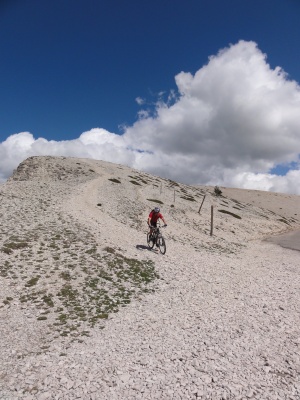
165	225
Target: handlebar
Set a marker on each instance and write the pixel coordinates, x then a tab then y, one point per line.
158	226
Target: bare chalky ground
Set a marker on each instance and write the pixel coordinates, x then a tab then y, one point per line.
88	311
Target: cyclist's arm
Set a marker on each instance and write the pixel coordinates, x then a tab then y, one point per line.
164	221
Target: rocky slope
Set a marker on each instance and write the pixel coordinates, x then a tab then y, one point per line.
88	311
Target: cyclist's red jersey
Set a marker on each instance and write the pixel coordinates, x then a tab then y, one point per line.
155	216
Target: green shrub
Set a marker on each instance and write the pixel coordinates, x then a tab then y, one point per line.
217	191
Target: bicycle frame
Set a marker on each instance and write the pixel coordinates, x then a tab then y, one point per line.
156	230
157	238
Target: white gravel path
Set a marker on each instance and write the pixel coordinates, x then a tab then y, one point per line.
220	324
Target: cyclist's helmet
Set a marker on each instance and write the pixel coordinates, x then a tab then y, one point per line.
157	209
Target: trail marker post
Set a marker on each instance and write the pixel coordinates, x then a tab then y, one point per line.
201	203
211	220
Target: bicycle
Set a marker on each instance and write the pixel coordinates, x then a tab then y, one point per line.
157	238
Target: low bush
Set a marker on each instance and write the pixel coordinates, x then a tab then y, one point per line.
217	191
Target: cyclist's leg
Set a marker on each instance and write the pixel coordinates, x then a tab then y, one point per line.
152	226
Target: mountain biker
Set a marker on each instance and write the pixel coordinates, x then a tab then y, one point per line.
154	216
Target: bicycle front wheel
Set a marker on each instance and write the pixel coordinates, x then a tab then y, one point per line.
150	240
162	245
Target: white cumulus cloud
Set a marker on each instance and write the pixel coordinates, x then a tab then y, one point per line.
140	101
229	124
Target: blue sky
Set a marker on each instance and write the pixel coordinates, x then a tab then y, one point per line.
67	67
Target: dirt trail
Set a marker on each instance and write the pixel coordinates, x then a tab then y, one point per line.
82	205
290	240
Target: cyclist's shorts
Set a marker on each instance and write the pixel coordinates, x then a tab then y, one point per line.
154	224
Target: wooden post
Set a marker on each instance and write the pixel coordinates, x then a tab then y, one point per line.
212	221
202	203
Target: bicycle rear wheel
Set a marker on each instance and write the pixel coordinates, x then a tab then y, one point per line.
162	245
150	240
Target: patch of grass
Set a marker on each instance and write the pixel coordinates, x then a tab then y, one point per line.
92	282
6	250
62	318
237	202
137	178
230	213
109	250
284	221
189	198
114	180
48	300
53	246
92	250
156	201
135	183
68	293
65	275
6	302
99	282
143	180
173	183
32	281
9	247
